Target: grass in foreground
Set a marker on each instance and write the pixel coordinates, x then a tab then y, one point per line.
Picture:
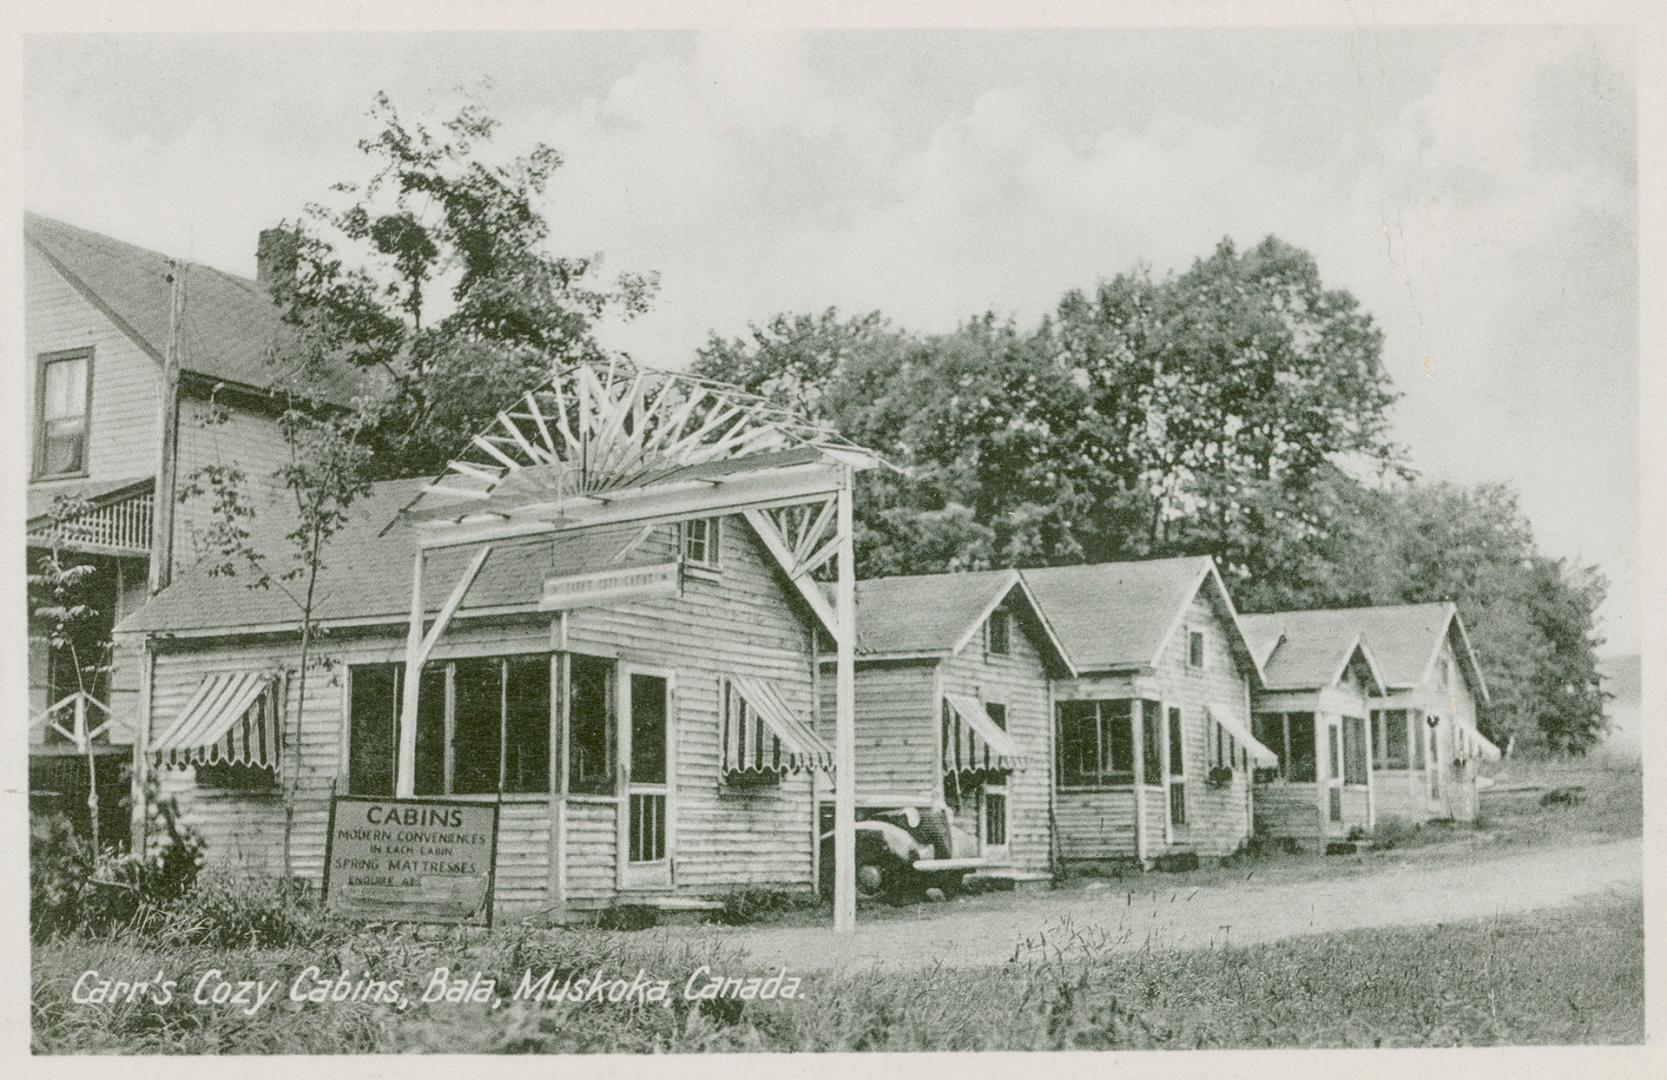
1565	976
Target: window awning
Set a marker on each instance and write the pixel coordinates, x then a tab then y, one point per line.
973	741
761	734
231	720
1229	723
1484	746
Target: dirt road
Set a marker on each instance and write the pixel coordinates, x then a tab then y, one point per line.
991	930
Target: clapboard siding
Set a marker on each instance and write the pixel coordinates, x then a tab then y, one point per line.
1018	680
250	440
1096	824
125	421
737	621
1218	818
1289	810
896	729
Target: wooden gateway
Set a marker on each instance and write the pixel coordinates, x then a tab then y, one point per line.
611	605
1152	743
1321	677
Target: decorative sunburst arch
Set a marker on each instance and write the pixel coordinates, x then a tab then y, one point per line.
619	444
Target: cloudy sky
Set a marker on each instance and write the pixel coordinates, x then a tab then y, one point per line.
1475	187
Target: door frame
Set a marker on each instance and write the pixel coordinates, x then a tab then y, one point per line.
986	849
659	874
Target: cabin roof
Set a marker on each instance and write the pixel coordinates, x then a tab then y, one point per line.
1402	638
1123	614
226	328
40	497
1306	650
367	574
921	614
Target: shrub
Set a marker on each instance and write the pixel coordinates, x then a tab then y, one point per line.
236	908
748	905
74	889
628	917
1393	832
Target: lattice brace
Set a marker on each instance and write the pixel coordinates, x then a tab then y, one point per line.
807	532
592	429
86	718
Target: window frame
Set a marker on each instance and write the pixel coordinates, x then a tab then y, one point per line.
1196	650
711	544
42	362
1104	739
1005	646
444	671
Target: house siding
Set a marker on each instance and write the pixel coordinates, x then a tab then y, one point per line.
124	427
248	439
896	730
1018	680
740	620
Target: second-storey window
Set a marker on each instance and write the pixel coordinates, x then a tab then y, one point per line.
700	542
998	630
1195	648
64	399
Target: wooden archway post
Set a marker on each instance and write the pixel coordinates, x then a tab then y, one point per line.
405	782
845	719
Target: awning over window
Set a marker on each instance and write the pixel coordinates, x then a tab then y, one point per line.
1470	738
761	734
973	741
231	720
1229	723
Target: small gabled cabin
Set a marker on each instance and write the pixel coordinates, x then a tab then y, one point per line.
1426	748
1321	677
1152	742
953	708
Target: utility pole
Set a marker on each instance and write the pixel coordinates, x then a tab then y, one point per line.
167	467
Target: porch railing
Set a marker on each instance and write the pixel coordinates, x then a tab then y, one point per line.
124	525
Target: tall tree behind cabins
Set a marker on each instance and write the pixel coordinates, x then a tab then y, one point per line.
432	275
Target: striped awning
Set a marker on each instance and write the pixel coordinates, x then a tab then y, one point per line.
1472	740
232	719
761	734
972	742
1259	754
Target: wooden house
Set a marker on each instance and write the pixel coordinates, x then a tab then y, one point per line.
1152	744
952	709
631	682
128	356
1426	748
1321	677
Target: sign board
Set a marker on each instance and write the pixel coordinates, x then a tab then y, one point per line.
610	586
411	860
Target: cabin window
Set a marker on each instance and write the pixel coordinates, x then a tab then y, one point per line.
1151	745
1291	737
1446	674
1096	742
700	542
998	629
1354	750
64	400
1389	739
1177	769
1418	753
997	712
592	724
1195	648
483	726
995	819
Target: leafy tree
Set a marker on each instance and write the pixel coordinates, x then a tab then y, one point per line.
431	276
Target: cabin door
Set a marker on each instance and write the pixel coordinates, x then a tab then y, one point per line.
645	751
1334	770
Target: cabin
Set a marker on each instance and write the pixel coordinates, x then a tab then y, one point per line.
621	654
953	713
138	370
1426	747
1153	748
1321	677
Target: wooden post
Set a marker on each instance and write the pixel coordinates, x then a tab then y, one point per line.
1137	708
406	777
141	754
845	722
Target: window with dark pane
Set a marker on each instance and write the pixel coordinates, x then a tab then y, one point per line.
527	724
476	725
1000	629
373	729
997	712
430	776
1151	745
591	720
648	729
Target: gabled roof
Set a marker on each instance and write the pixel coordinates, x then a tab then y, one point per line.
227	324
367	576
1124	614
937	614
1403	638
1306	650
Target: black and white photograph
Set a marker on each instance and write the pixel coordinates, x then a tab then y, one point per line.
957	531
